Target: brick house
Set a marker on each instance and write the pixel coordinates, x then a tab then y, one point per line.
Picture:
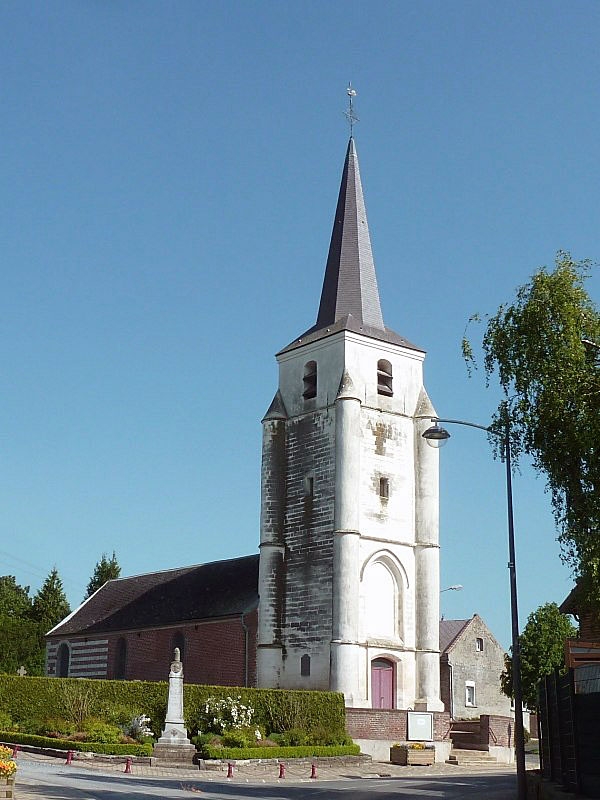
129	628
471	661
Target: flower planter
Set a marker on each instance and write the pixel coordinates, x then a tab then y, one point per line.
406	757
7	787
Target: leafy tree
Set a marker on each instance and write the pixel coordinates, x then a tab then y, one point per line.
50	604
542	647
21	639
543	348
15	602
105	570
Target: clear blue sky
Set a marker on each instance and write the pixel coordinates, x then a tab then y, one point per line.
169	177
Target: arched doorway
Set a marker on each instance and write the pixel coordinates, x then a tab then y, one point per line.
62	661
382	683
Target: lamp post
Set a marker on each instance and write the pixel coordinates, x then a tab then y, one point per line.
454	588
437	436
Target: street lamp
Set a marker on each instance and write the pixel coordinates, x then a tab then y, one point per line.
436	436
455	588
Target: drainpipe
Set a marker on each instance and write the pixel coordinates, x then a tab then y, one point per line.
245	628
451	709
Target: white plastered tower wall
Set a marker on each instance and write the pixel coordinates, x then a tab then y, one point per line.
349	517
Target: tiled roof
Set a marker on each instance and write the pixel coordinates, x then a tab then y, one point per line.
450	630
175	596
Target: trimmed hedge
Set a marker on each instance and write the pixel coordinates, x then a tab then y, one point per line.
306	751
30	698
13	737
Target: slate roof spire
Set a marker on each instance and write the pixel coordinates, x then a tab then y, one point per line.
350	283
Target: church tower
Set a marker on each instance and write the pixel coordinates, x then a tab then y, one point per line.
349	554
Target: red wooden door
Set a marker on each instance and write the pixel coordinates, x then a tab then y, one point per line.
382	683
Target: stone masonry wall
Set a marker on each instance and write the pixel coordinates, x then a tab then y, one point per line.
309	546
483	668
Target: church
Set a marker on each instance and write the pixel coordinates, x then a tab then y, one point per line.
344	594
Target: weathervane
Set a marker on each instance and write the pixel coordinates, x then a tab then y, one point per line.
349	114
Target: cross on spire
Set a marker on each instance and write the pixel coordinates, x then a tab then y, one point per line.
350	113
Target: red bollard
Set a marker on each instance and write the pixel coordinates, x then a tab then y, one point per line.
313	771
69	757
281	769
230	770
128	766
14	752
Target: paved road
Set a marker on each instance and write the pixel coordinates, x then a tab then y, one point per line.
51	781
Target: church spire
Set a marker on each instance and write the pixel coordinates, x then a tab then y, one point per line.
350	284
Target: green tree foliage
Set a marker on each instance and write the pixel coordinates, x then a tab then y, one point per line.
50	604
21	644
551	397
15	602
24	622
542	650
105	570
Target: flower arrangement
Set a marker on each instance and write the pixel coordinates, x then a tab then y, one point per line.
7	768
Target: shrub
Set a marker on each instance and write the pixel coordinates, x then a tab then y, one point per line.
293	738
59	728
239	737
84	747
322	735
308	751
5	753
220	714
137	728
98	731
5	721
33	698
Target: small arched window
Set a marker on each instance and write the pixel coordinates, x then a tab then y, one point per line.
121	660
63	658
310	380
305	665
179	641
384	378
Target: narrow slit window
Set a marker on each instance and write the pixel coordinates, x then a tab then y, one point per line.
305	665
479	644
384	378
309	486
384	488
310	380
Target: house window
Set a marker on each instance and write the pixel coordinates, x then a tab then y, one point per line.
384	488
384	378
470	693
479	644
121	660
63	657
305	665
310	380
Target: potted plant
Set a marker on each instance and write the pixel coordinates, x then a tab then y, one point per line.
412	754
7	772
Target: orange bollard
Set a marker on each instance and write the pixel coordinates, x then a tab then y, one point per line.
69	757
230	770
313	771
281	769
128	766
14	752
